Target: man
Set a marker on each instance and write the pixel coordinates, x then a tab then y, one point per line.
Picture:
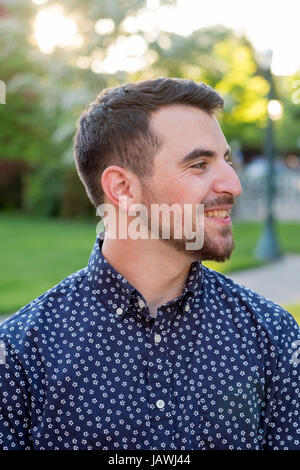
146	348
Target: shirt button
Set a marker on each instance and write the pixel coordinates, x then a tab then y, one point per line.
157	338
160	404
141	303
119	311
187	308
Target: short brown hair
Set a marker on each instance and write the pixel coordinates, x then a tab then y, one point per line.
115	128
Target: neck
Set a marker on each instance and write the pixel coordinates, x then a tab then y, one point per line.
155	269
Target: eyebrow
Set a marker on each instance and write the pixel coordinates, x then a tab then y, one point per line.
198	152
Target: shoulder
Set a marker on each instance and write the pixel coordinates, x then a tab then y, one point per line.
39	310
266	314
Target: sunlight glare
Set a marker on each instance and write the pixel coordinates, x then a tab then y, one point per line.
53	29
105	26
39	2
275	109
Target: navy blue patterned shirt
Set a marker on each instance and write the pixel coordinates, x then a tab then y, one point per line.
85	366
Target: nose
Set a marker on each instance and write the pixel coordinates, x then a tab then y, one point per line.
227	181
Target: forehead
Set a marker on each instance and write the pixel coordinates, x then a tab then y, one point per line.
183	128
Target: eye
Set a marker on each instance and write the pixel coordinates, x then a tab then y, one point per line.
228	159
197	165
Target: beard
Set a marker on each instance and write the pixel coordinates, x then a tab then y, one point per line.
218	243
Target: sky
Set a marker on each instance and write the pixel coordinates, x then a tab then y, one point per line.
268	25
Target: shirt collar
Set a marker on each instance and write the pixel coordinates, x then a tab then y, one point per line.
116	291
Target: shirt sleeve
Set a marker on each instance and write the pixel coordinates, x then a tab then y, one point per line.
14	402
283	430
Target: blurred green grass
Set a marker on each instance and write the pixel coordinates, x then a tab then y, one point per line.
38	253
294	309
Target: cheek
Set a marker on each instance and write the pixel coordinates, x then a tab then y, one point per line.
167	189
186	189
193	189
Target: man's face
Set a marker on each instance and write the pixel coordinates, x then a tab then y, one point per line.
197	179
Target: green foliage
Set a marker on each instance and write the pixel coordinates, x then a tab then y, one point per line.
44	190
12	184
25	129
74	200
288	127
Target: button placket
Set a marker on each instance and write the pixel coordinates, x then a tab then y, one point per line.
141	303
159	380
157	338
160	404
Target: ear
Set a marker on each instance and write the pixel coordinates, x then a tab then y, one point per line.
120	186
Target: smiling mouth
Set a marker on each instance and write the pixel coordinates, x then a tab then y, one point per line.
221	214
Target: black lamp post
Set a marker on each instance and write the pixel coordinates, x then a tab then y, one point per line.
268	247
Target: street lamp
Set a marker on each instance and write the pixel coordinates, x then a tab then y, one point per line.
267	247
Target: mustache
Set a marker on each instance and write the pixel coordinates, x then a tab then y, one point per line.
220	202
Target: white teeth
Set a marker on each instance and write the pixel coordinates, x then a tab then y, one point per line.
220	214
